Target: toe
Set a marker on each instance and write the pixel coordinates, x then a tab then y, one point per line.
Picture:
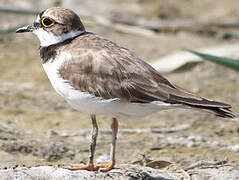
105	167
88	167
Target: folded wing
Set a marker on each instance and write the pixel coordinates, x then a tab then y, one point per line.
115	72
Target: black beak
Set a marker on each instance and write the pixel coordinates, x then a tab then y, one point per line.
28	28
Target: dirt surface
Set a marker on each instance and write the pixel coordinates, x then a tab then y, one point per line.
39	128
129	172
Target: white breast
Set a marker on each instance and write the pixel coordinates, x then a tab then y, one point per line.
85	102
81	101
52	67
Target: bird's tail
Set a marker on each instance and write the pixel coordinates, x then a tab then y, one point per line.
224	112
218	108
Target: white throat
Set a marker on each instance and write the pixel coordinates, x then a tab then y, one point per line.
48	38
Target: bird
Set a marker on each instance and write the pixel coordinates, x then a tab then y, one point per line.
97	76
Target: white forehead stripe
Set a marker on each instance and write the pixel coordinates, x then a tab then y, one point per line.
38	18
52	17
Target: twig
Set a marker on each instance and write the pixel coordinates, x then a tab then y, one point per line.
175	25
206	164
143	27
10	30
123	27
18	10
182	127
28	11
123	131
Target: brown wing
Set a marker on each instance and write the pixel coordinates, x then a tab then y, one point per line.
104	76
110	71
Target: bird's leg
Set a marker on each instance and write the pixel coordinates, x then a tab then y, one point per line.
114	127
108	166
94	135
90	166
102	166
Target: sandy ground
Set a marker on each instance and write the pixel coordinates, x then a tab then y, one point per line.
38	127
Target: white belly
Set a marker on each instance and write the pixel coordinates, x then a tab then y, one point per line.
85	102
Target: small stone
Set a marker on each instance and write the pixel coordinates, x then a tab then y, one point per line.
235	148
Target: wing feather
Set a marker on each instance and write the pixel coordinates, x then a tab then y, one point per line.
107	70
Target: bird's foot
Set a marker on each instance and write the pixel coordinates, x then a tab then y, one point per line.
88	167
104	167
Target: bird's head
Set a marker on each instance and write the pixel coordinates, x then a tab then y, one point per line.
55	25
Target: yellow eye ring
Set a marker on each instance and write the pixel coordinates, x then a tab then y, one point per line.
47	22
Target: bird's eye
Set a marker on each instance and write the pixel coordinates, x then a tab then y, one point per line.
47	22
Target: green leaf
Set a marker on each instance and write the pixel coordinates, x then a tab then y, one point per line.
227	62
231	35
